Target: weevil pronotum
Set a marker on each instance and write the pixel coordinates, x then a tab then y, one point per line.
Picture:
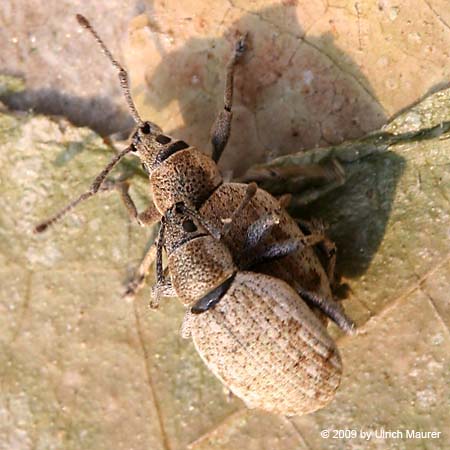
259	338
180	173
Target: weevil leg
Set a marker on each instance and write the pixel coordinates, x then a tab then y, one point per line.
123	188
159	249
160	278
162	288
329	248
186	326
285	200
326	246
299	176
331	309
220	131
154	252
254	256
138	280
249	194
311	226
317	237
259	229
148	217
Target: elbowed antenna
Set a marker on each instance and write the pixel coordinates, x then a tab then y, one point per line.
95	186
123	75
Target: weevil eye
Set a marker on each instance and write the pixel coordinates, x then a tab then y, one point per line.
189	226
162	139
179	207
145	129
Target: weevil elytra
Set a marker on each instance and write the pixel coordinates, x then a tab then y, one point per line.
260	339
179	173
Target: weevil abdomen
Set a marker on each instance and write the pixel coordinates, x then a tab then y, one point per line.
267	347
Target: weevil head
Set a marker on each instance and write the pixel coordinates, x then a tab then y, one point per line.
153	147
177	171
147	147
198	261
182	225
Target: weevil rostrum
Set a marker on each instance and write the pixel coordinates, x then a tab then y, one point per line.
179	174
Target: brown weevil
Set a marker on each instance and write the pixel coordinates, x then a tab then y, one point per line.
181	174
257	335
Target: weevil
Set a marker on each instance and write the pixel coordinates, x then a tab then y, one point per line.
179	173
258	336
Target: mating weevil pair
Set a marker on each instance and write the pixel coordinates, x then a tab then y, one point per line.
257	336
255	330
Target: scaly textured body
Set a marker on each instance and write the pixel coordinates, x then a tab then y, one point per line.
253	330
264	343
258	336
301	268
179	173
188	176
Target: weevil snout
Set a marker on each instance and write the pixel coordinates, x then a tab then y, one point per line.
153	146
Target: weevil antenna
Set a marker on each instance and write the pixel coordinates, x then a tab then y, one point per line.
95	186
159	250
123	75
249	194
